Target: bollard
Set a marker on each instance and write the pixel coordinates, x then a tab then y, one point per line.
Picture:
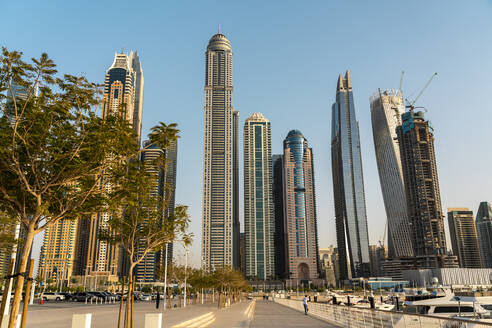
334	301
153	320
81	320
371	301
397	304
86	300
91	300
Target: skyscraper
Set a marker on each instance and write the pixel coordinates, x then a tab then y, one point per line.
280	235
164	186
348	185
139	93
386	109
463	235
95	257
220	171
259	224
57	253
300	210
484	230
416	142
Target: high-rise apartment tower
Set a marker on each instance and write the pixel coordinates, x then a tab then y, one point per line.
164	186
348	185
484	230
416	142
259	226
386	109
280	235
121	86
220	229
300	210
463	235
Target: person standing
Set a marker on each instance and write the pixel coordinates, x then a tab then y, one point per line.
305	303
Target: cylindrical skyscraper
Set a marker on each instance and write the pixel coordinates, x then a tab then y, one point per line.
220	174
300	211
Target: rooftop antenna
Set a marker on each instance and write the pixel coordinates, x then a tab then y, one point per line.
219	28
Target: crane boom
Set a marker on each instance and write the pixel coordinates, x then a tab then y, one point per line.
401	81
421	92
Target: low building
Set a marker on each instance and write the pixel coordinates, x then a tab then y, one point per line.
449	277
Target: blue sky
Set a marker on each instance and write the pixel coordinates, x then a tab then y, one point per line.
287	57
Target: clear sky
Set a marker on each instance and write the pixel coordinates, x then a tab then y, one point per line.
287	57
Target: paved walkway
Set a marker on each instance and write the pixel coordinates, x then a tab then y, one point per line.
268	314
59	315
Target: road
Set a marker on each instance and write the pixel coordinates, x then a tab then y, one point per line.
245	314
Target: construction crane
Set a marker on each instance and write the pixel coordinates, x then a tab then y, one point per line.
400	90
411	105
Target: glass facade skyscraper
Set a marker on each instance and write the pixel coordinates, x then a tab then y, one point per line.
348	185
258	205
300	209
484	230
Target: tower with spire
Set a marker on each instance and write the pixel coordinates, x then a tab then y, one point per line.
348	185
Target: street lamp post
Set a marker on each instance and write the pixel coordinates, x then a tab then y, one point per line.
165	277
186	274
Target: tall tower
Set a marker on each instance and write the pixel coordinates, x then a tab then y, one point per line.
463	235
348	185
416	142
259	225
57	253
484	230
280	238
95	257
386	109
164	186
300	210
139	93
220	170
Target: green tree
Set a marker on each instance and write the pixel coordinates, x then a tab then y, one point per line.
53	149
138	223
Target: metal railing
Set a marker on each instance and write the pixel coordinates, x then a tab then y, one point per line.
344	316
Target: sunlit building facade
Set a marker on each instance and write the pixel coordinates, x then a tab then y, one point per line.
386	109
259	224
220	229
300	210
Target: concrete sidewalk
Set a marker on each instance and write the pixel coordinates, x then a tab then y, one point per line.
106	316
268	314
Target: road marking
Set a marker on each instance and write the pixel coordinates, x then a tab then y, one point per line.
208	323
190	322
202	321
250	310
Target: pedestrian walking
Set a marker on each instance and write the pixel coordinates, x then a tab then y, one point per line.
305	303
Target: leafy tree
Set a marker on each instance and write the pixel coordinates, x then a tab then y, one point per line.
53	148
138	223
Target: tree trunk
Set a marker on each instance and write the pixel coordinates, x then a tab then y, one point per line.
20	279
129	297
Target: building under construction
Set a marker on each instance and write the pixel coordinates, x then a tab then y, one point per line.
416	142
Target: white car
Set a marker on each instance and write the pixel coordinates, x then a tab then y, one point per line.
50	296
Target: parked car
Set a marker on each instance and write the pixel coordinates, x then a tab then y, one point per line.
145	297
82	297
68	296
51	296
